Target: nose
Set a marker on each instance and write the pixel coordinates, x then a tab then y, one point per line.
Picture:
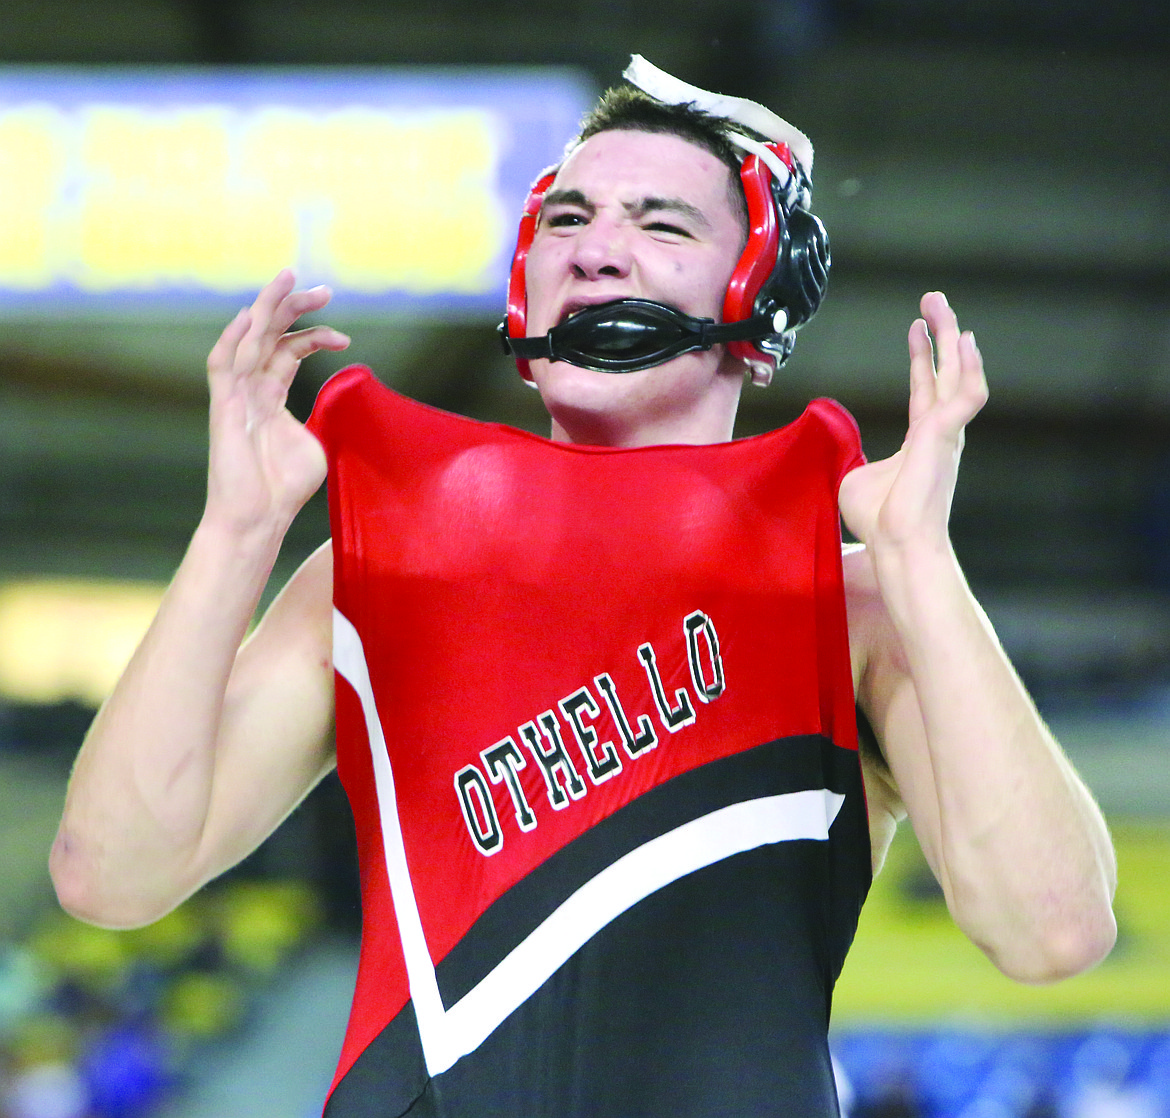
600	250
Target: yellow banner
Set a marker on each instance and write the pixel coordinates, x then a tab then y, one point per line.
127	184
125	197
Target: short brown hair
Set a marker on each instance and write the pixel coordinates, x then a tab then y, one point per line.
625	108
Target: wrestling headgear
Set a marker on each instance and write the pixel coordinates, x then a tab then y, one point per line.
775	289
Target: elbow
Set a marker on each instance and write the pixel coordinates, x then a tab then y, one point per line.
1079	950
1064	950
80	893
74	883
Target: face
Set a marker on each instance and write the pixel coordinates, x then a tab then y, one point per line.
647	215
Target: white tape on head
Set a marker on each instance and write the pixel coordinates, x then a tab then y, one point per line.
673	91
795	189
777	165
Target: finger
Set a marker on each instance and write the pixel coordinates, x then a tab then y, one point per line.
222	354
294	348
256	343
922	386
294	305
300	344
274	321
945	328
270	297
973	387
273	292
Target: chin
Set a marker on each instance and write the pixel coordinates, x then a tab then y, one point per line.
588	406
685	400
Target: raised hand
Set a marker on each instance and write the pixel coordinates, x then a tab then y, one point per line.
906	498
263	463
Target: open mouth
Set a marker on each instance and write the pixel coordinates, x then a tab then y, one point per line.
575	306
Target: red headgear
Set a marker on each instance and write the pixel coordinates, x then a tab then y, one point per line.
756	265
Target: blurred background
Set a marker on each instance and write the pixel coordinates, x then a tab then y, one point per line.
160	159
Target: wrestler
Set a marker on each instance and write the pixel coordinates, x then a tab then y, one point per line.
737	663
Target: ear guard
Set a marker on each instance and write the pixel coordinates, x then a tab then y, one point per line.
516	318
783	271
778	282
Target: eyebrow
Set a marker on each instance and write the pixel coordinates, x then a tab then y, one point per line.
636	210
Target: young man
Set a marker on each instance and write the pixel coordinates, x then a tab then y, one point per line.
596	698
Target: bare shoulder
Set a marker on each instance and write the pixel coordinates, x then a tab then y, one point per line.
280	695
312	584
302	613
289	655
864	609
860	583
873	641
870	651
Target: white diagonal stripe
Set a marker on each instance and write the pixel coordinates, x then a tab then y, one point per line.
446	1035
349	659
620	886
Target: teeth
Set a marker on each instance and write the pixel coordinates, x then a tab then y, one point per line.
573	308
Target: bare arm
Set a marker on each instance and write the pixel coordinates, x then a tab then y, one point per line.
1013	836
204	746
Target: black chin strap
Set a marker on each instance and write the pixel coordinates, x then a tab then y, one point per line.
626	335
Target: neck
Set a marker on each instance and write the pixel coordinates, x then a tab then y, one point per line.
590	429
639	410
588	433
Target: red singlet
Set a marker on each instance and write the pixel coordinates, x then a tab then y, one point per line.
595	719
